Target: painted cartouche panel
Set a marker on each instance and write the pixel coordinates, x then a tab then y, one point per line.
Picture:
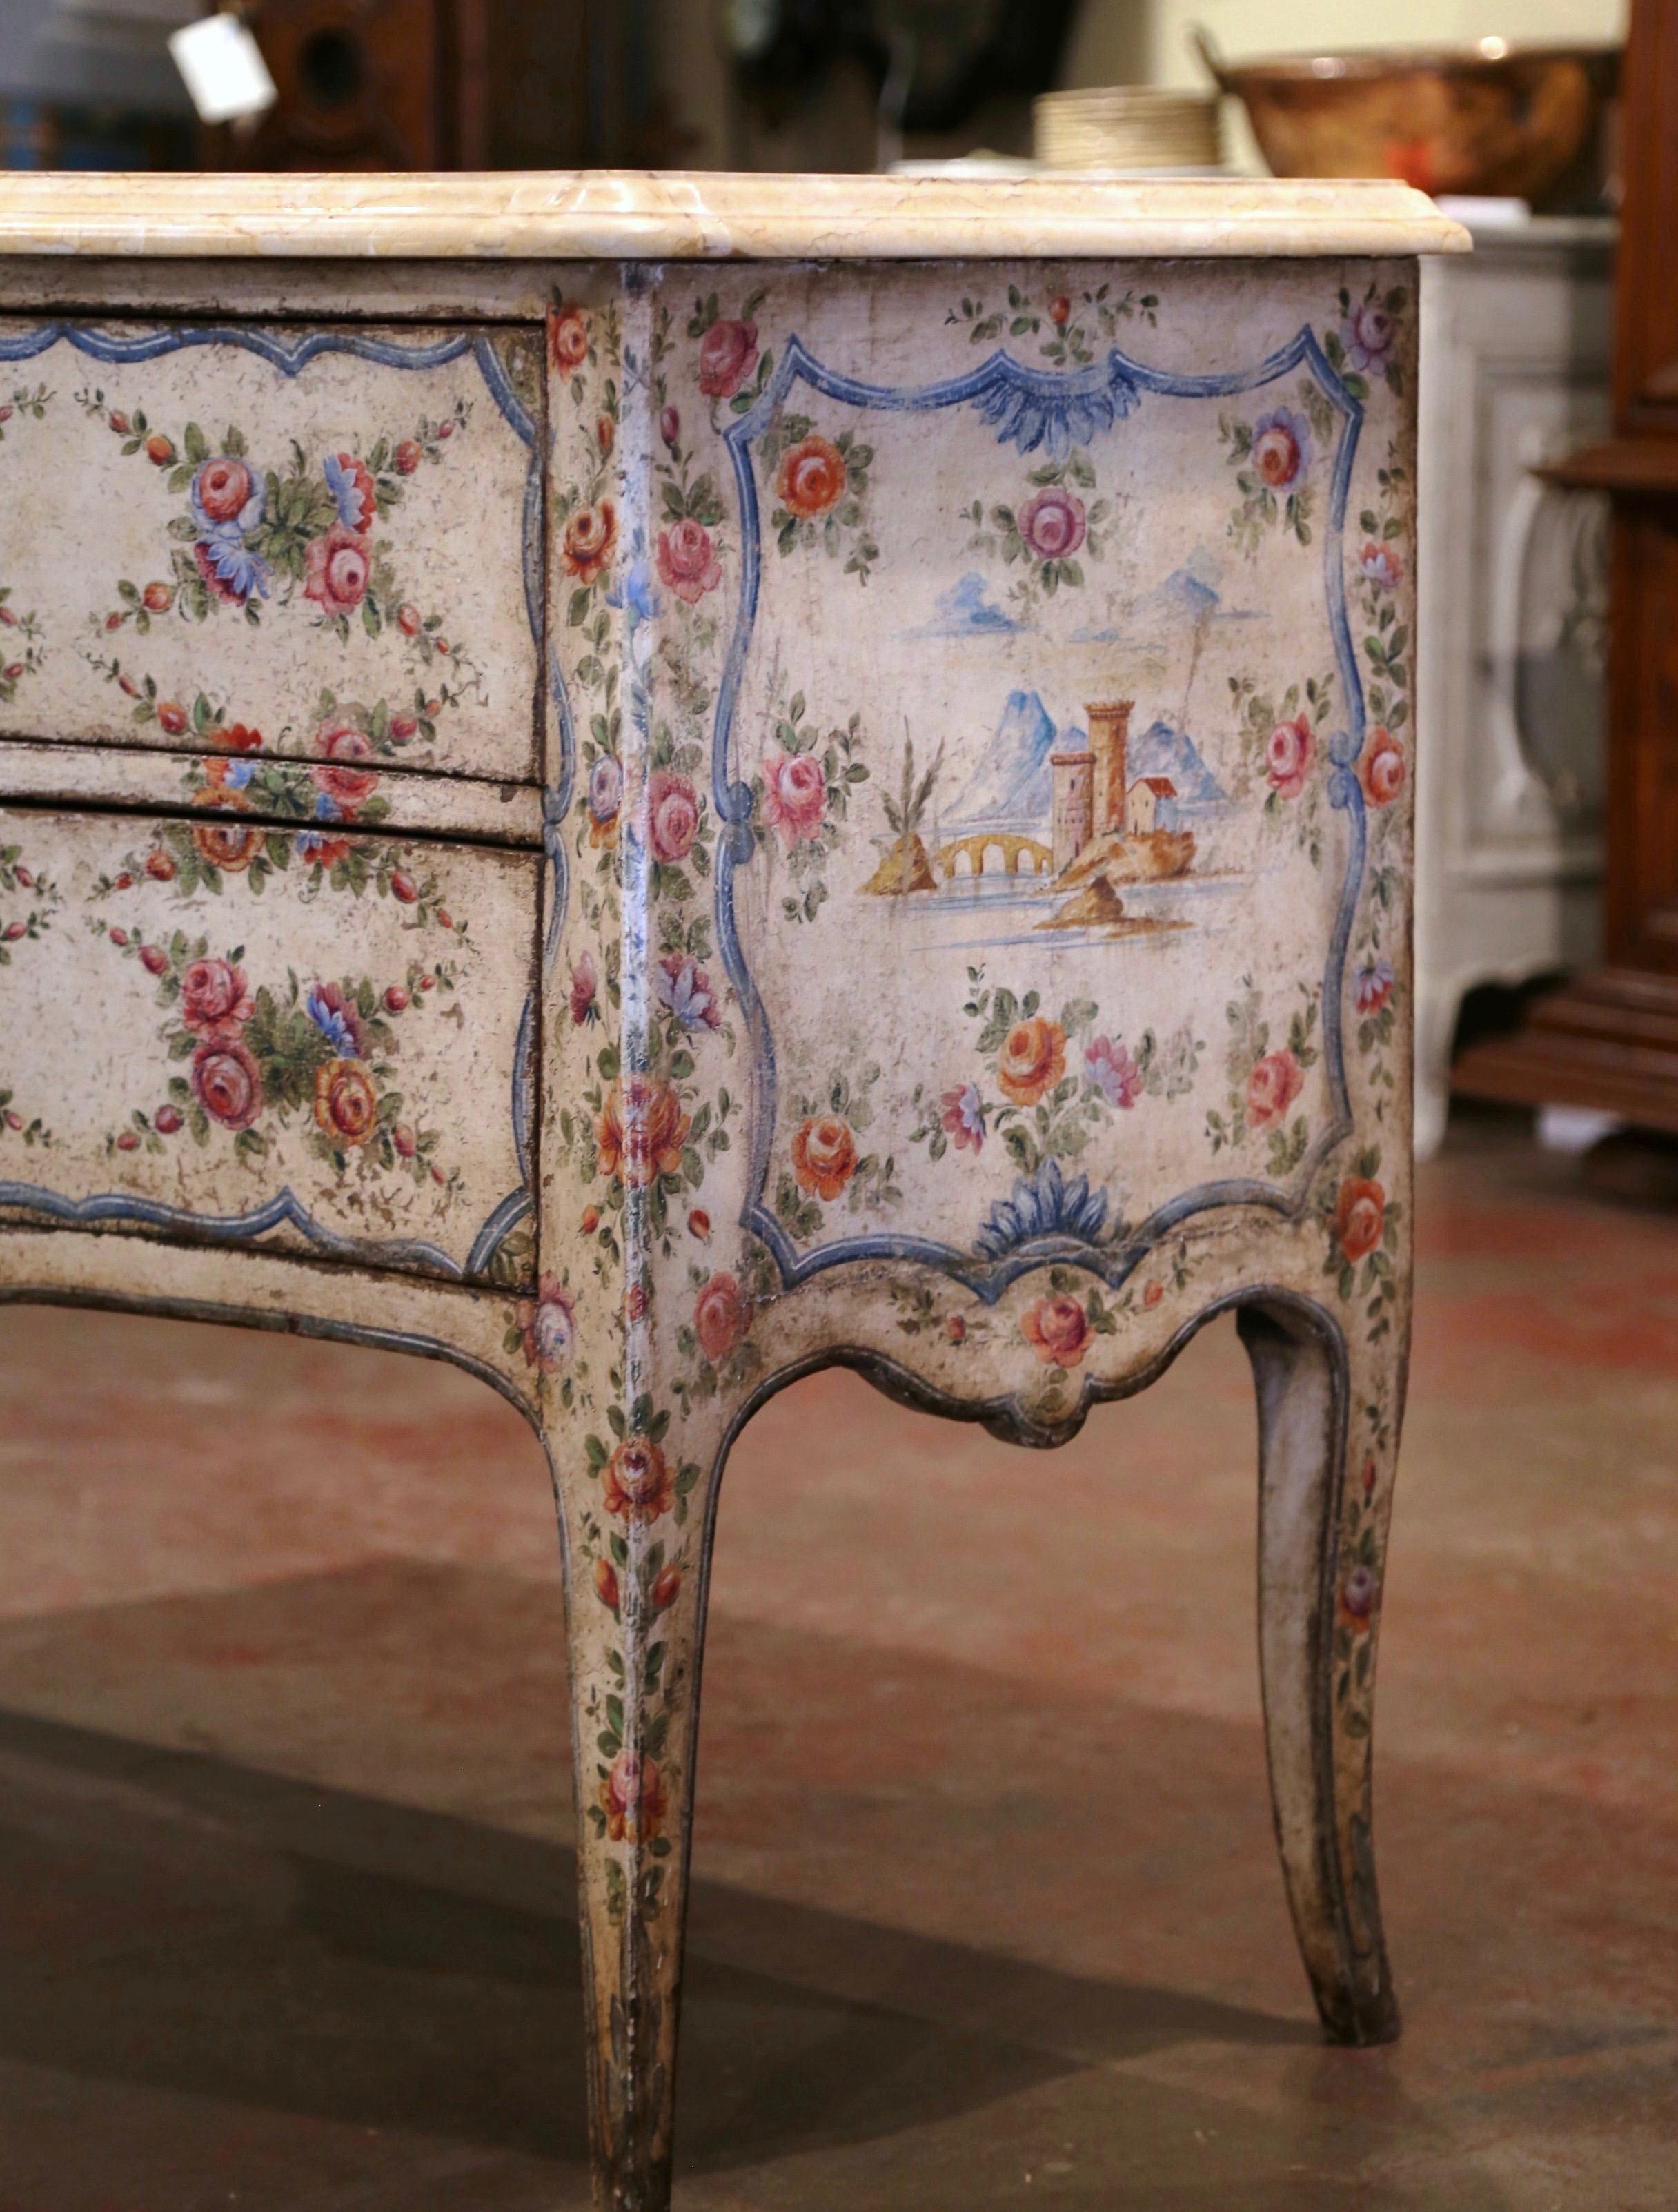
319	1041
319	542
999	726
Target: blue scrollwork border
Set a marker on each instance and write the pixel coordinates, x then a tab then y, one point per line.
284	1209
1046	409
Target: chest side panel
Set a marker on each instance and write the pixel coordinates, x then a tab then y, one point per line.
1024	663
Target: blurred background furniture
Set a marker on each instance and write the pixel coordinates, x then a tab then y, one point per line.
1512	589
1609	1039
451	84
363	84
388	84
86	86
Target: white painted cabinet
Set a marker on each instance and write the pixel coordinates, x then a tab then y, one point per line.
1512	594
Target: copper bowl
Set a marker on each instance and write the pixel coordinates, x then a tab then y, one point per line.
1514	122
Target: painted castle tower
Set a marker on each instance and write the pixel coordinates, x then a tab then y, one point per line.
1089	789
1074	805
1109	730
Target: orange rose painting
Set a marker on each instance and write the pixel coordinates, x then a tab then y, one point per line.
1359	1218
1032	1059
824	1155
637	1483
641	1131
633	1798
590	539
811	477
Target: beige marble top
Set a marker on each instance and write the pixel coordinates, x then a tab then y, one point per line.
605	214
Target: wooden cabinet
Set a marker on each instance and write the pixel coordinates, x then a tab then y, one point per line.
1610	1038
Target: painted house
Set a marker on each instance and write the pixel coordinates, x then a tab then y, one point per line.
1150	804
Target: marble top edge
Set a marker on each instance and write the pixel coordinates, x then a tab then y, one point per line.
588	215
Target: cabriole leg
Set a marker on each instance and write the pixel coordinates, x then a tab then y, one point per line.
633	1501
1328	1414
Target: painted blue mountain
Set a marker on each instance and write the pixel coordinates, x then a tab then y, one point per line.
1184	593
1010	781
1161	750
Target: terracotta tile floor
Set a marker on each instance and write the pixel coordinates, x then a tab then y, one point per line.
987	1910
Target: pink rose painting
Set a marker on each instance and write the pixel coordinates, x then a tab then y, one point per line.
338	744
215	998
728	354
222	489
1272	1087
722	1316
1051	523
1059	1330
1383	768
567	339
337	569
672	815
1115	1074
1289	751
687	561
227	1083
795	795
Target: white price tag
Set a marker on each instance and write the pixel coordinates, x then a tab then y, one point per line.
223	68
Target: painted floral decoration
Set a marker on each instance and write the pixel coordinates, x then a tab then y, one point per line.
248	530
29	902
258	1058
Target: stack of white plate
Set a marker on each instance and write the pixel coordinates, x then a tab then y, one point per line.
1128	126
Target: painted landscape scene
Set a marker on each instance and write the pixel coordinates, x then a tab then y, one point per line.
1096	817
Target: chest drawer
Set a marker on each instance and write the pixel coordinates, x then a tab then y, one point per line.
217	1028
328	537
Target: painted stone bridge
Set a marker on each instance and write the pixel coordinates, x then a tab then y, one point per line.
1020	856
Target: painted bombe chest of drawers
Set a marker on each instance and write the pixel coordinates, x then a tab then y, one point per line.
647	783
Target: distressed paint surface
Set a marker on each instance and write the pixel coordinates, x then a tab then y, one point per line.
974	946
961	1073
321	795
316	535
885	1056
213	1027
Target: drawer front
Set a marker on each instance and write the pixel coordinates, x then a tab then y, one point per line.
230	1032
322	537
